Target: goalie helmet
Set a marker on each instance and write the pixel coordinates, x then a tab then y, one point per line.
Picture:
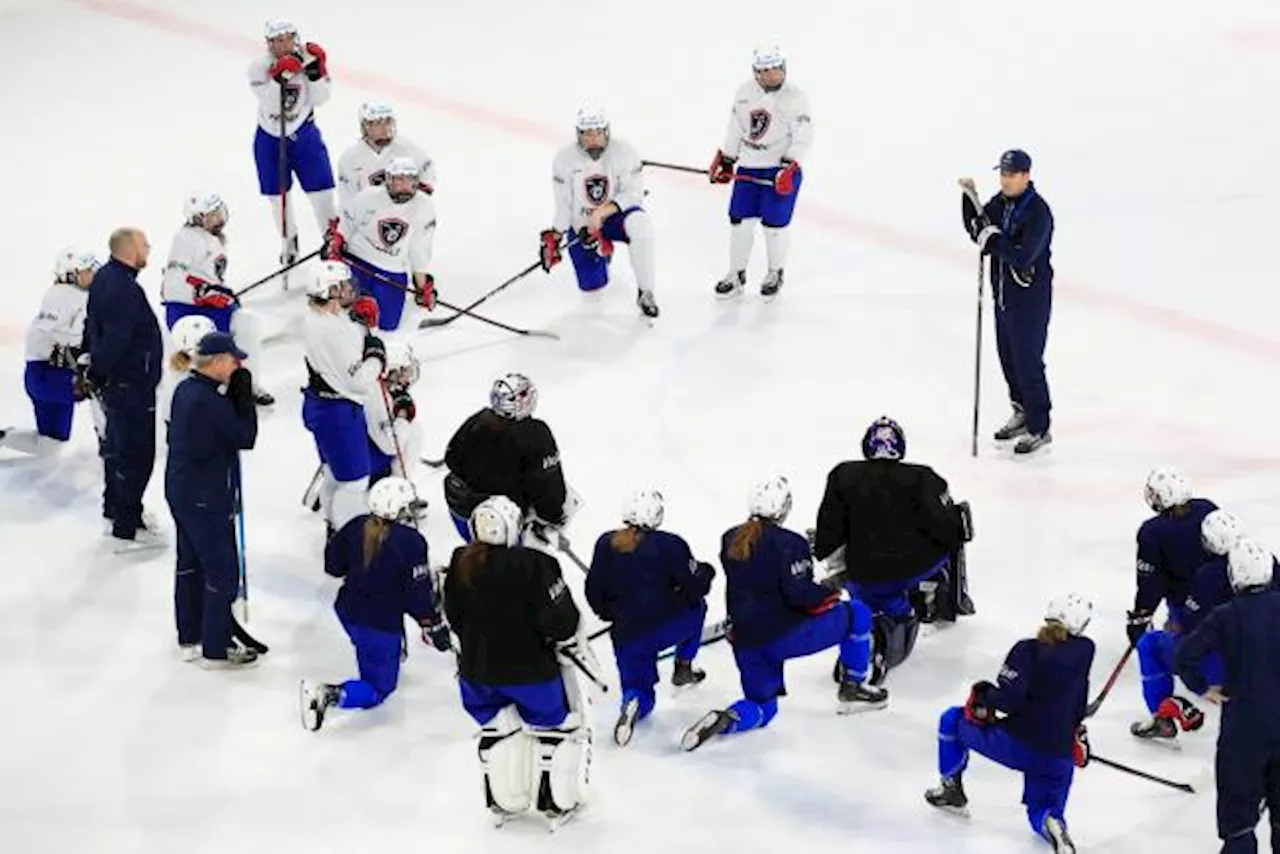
1249	565
206	210
1073	611
72	261
496	521
884	440
391	498
771	499
643	509
188	332
402	364
513	396
1220	531
330	277
1167	487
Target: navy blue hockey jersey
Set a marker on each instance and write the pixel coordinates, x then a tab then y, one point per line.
396	582
640	590
1043	690
771	592
1169	553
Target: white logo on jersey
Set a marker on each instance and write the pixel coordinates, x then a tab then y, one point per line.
1145	568
1008	674
550	462
556	590
802	567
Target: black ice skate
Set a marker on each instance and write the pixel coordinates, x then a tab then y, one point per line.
1032	442
857	697
1057	833
315	700
262	397
555	816
949	796
686	674
1013	428
771	284
238	658
626	725
731	285
1157	730
648	305
713	723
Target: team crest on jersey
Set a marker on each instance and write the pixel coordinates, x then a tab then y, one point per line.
391	231
220	267
597	188
291	95
377	179
760	121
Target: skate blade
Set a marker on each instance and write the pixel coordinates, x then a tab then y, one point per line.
1173	745
958	812
626	726
555	821
306	710
859	707
138	549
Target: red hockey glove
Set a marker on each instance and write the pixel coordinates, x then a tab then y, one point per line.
334	242
319	66
975	709
285	67
209	295
425	294
1080	752
721	171
549	250
785	181
402	406
1183	711
365	312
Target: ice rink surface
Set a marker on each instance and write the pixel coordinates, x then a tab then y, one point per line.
1154	132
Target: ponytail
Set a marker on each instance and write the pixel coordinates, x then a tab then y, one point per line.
180	361
375	534
473	557
745	538
625	540
1052	633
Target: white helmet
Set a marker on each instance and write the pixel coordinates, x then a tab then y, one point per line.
390	498
200	204
771	499
402	167
496	521
643	509
767	56
376	111
1248	565
330	275
278	27
513	396
1167	487
401	361
189	330
591	117
72	261
1220	531
1073	611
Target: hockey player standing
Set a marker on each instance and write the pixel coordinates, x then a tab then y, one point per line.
364	164
517	628
1015	228
390	420
1245	632
599	187
384	566
504	450
887	526
208	430
296	78
647	584
770	132
386	233
778	613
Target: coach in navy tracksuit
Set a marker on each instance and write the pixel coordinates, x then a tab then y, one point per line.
125	352
1015	228
207	430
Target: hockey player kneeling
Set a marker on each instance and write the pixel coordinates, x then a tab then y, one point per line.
518	627
890	532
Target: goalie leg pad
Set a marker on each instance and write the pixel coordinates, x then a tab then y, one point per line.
564	760
895	638
506	758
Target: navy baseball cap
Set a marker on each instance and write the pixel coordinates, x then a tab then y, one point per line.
217	343
1014	160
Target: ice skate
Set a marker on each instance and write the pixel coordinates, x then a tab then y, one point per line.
625	727
771	284
1183	711
237	658
145	539
189	652
858	697
1032	442
686	674
1056	832
555	816
1013	428
314	701
949	796
1157	730
713	723
731	285
262	397
648	305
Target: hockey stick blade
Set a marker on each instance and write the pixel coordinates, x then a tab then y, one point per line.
435	464
1172	784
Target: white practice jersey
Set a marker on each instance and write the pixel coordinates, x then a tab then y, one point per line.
301	97
195	257
390	235
59	323
333	345
581	184
765	127
363	166
390	436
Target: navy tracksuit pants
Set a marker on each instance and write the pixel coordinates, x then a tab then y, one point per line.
1022	328
130	452
208	578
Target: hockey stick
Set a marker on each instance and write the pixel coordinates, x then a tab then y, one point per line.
240	634
282	166
577	662
706	173
311	498
395	442
972	195
285	269
435	464
240	607
374	274
1092	708
1182	787
562	543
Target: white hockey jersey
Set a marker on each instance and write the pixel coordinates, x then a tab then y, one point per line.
581	184
59	323
765	127
393	236
390	435
195	256
333	345
362	166
301	97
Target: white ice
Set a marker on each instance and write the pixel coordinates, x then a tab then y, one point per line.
1154	131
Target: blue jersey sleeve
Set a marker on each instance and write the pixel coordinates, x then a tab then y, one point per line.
599	588
799	590
682	569
420	600
1010	693
1190	653
1152	584
338	553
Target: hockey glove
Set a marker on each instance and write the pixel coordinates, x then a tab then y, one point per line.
705	572
1080	752
785	181
986	237
209	295
402	406
334	242
974	219
425	293
721	171
1137	625
436	633
375	349
285	67
240	390
318	64
549	249
365	312
976	711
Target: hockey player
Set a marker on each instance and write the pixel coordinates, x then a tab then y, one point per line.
364	164
647	583
208	429
1041	691
384	567
1245	632
391	439
55	344
518	630
344	365
770	132
293	78
195	277
504	450
186	334
385	234
598	188
1170	550
778	613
